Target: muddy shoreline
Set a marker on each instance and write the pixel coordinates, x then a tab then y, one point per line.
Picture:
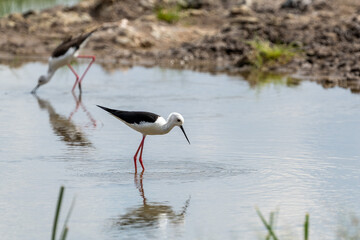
211	36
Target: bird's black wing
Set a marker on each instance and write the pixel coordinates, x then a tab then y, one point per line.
69	43
132	117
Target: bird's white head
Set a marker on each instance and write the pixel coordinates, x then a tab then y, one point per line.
42	80
175	119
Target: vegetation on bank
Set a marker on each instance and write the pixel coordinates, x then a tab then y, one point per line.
168	14
173	12
266	53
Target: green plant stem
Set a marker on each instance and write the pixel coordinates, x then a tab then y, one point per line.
65	227
63	236
268	227
306	227
271	223
57	212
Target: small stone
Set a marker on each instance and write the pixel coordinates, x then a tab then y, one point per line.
331	36
297	4
243	61
242	10
356	18
149	18
197	12
355	69
323	52
146	43
28	13
244	20
16	17
147	3
122	40
310	52
11	24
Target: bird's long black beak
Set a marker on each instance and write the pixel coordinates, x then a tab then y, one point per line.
34	90
182	129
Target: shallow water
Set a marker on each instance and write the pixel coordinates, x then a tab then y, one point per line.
291	147
10	6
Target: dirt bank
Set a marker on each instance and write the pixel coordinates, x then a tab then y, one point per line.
208	35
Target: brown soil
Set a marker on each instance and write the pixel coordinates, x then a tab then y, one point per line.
212	37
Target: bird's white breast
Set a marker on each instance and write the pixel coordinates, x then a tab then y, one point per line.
146	128
57	62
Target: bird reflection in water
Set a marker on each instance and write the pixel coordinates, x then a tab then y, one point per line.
63	126
77	106
150	214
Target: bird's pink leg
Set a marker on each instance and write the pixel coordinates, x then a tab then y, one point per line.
142	142
88	67
140	158
77	76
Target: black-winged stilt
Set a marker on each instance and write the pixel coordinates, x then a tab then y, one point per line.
63	55
147	123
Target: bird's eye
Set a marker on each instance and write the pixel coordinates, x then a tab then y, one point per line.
179	120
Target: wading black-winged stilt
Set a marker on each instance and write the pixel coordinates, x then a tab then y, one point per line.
66	52
147	123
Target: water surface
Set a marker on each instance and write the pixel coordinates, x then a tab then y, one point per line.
281	145
10	6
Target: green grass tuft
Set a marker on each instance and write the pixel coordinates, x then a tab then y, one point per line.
267	54
169	15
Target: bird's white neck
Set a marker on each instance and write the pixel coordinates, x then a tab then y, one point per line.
50	73
168	125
